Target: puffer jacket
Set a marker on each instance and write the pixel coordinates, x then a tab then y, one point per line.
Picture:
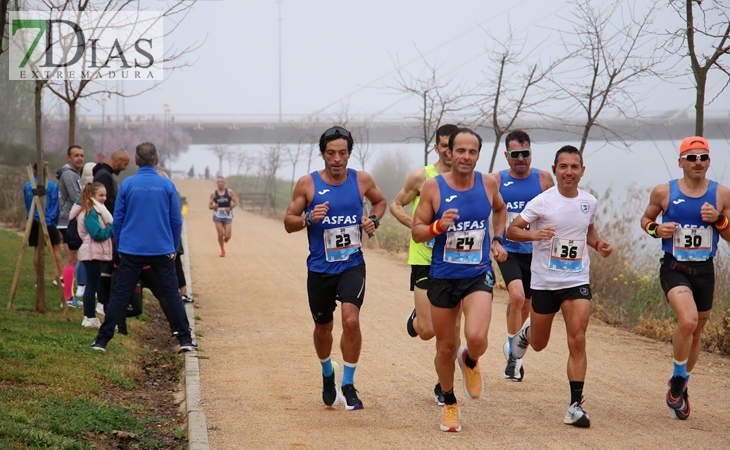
95	234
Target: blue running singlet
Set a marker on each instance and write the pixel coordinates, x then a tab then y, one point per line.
695	240
516	193
223	201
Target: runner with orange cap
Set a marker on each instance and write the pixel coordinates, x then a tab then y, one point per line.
695	213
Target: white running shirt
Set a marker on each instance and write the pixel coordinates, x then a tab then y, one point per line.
563	261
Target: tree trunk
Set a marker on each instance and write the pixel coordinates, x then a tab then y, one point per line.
3	21
40	298
498	138
701	78
72	123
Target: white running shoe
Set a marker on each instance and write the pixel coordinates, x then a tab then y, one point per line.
80	289
520	342
91	322
100	309
577	417
506	350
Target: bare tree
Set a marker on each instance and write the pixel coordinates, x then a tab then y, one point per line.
711	30
71	92
294	156
272	160
612	47
221	152
363	149
437	98
4	4
510	82
240	159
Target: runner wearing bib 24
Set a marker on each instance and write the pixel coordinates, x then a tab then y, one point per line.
561	229
329	204
694	213
455	209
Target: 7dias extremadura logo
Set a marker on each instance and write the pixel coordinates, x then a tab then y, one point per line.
68	45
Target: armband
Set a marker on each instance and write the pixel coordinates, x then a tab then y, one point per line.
650	229
375	220
435	228
722	223
308	219
498	239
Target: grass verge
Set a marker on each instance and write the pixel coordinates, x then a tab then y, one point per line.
57	393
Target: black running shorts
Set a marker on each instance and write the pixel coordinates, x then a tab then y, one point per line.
517	267
325	289
698	276
420	276
35	231
447	293
548	302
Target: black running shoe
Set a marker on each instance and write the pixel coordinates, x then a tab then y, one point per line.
438	395
675	394
683	414
514	370
409	324
329	387
352	401
189	346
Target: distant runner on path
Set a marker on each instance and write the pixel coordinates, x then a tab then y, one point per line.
331	200
695	213
222	201
561	226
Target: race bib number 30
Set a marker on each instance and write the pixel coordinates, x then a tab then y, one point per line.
341	243
566	255
692	244
464	247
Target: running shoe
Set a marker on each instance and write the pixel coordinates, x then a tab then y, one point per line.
472	378
80	289
409	324
683	414
514	370
90	322
329	387
73	302
98	346
507	350
438	395
223	253
187	299
577	417
189	346
675	394
520	342
352	401
450	418
100	309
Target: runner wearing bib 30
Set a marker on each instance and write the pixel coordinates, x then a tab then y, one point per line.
561	228
419	322
518	185
222	202
695	213
331	201
455	209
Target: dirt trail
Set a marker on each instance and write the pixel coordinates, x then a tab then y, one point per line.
261	378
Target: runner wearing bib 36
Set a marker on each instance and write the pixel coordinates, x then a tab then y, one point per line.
222	202
455	209
561	228
695	213
331	201
518	185
419	254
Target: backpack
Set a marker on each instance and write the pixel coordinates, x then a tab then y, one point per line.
73	239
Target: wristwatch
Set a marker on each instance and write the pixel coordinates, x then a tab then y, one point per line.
375	220
498	239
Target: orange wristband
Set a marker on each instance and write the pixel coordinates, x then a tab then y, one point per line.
435	228
722	224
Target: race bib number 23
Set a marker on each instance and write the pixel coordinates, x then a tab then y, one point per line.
341	243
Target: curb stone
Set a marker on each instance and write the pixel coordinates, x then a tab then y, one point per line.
197	426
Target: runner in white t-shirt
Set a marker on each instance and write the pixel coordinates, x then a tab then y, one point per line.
561	222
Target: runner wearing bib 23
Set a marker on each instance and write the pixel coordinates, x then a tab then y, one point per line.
561	228
695	213
331	201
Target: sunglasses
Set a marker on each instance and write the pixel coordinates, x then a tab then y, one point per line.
337	131
692	158
524	153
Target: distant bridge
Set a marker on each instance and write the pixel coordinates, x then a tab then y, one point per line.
258	129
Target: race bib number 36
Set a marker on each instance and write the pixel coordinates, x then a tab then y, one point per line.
692	244
341	243
566	255
464	247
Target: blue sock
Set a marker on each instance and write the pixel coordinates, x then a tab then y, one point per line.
348	374
680	369
327	369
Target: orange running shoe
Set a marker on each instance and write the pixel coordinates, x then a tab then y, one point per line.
450	417
472	377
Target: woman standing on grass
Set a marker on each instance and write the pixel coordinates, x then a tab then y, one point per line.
94	226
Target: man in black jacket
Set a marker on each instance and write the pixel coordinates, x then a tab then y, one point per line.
103	174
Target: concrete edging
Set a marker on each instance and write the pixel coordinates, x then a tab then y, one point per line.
197	426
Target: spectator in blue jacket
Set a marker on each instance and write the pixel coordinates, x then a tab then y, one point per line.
147	228
51	213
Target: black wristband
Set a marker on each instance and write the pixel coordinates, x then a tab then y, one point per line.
375	220
720	218
498	239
